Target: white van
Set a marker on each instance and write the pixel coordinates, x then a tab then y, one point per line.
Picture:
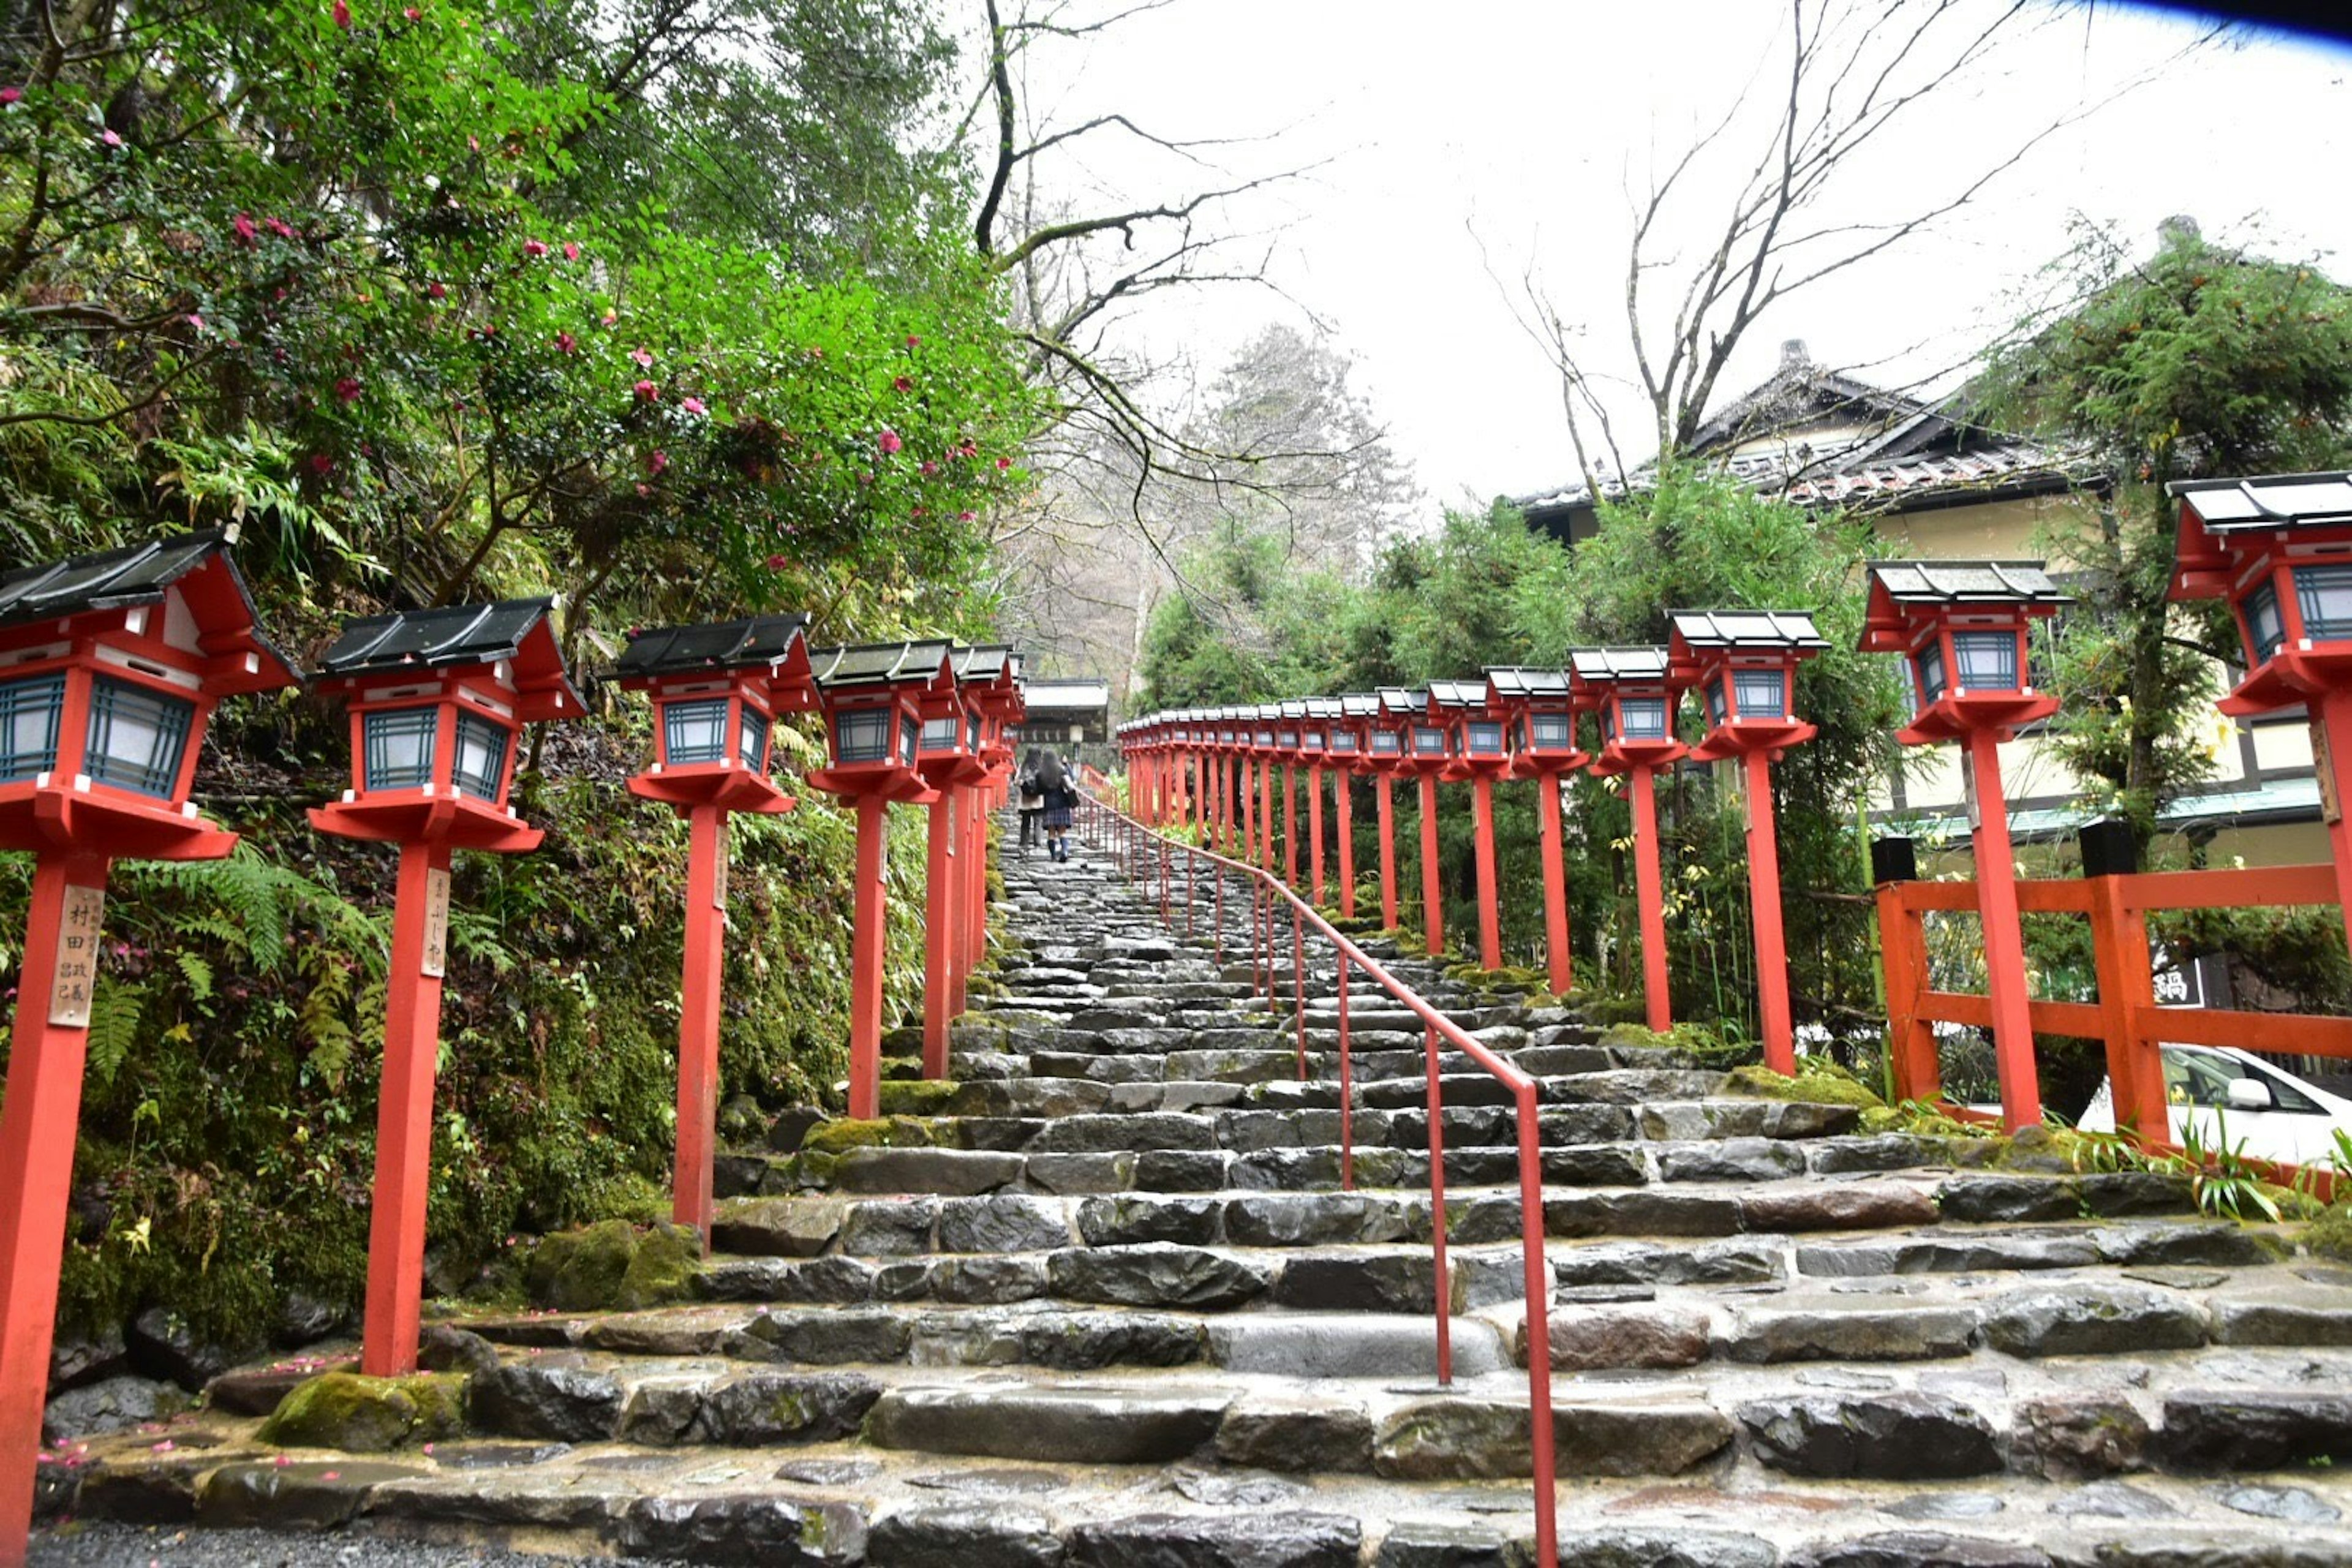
2235	1098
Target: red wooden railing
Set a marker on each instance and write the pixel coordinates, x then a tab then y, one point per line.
2126	1017
1150	856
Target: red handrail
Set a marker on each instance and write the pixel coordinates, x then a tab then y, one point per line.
1133	841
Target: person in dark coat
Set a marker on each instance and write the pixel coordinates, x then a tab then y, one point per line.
1061	793
1033	799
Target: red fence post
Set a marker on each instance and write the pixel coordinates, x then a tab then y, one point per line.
1919	1073
2135	1064
1437	1214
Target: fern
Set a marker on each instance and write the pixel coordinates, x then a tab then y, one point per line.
114	1014
325	1017
199	976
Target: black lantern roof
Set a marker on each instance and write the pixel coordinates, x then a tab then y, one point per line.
2272	501
1293	707
138	575
454	634
727	644
415	641
109	580
1778	630
1966	582
1618	663
1359	705
986	662
1520	683
1325	707
879	664
1457	694
1400	701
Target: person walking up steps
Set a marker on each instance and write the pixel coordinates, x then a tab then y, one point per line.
1032	799
1061	794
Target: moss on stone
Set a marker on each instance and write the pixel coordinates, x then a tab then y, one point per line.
368	1415
919	1096
581	1270
1824	1085
2330	1235
664	1269
845	1133
1510	977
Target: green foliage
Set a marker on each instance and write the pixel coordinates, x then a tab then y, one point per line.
1817	1080
367	1414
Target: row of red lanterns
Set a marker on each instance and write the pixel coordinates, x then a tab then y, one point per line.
2278	549
111	666
1210	766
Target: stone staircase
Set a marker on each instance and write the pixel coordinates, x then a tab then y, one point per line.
1101	1300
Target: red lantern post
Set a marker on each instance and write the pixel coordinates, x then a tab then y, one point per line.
1264	747
717	691
1961	626
871	695
1542	715
1000	707
1288	738
1315	745
111	666
1427	755
1634	693
1391	736
437	700
1744	663
2279	548
1479	742
1351	743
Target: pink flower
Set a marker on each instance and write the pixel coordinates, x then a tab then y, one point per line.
342	14
643	490
242	223
197	322
610	317
1003	463
282	1460
888	441
929	468
435	291
279	226
643	355
902	384
321	464
778	562
11	94
913	341
646	391
694	406
165	1447
473	142
566	343
817	354
110	138
655	461
413	14
915	512
965	516
347	390
571	250
533	249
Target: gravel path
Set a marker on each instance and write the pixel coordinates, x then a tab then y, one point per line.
97	1545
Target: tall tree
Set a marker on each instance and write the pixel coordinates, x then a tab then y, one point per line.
2200	361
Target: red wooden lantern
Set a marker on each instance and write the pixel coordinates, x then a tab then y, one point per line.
1962	627
954	758
1478	738
717	691
1541	712
437	699
873	696
1743	663
2279	548
111	666
1632	692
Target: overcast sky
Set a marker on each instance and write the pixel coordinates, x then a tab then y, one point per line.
1520	125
